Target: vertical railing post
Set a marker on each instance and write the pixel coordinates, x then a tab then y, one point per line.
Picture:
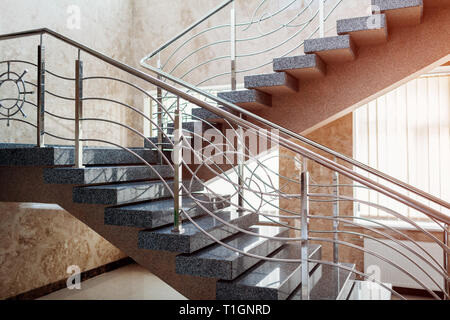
177	165
159	117
233	45
240	141
322	18
335	216
40	116
446	260
78	112
304	233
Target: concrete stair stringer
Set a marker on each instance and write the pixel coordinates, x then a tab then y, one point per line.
409	52
160	263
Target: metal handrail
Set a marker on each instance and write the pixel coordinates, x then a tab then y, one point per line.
289	133
195	24
238	120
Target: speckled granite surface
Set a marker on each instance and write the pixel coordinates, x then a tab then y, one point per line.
157	213
94	175
247	96
360	24
268	280
297	62
23	155
223	263
277	79
114	194
192	238
327	43
207	115
396	4
329	283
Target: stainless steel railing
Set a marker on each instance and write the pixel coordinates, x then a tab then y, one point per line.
255	178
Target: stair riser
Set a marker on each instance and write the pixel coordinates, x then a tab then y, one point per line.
227	269
126	195
230	291
65	157
188	244
150	220
105	175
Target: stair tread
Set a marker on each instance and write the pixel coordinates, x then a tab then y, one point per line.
158	213
272	83
368	30
114	194
332	49
101	174
251	99
223	263
328	283
400	13
207	115
269	280
396	4
192	239
303	66
29	155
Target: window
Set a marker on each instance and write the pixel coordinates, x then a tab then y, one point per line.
405	134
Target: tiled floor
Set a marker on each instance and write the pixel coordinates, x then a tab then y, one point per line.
131	282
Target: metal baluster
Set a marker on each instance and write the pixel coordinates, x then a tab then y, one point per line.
78	112
321	18
40	116
304	233
335	215
159	116
233	45
240	145
177	165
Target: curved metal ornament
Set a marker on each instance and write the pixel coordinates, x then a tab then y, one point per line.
15	103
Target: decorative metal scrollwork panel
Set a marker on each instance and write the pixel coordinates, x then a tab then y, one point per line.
13	92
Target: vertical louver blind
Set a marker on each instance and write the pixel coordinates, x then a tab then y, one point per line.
405	133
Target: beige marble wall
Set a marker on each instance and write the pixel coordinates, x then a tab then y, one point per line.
105	26
38	243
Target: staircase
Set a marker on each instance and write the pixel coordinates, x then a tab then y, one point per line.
137	201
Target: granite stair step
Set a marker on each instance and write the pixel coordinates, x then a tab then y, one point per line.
192	239
273	83
329	283
248	99
98	175
400	12
332	49
371	30
308	66
206	115
159	213
269	280
29	155
115	194
223	263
